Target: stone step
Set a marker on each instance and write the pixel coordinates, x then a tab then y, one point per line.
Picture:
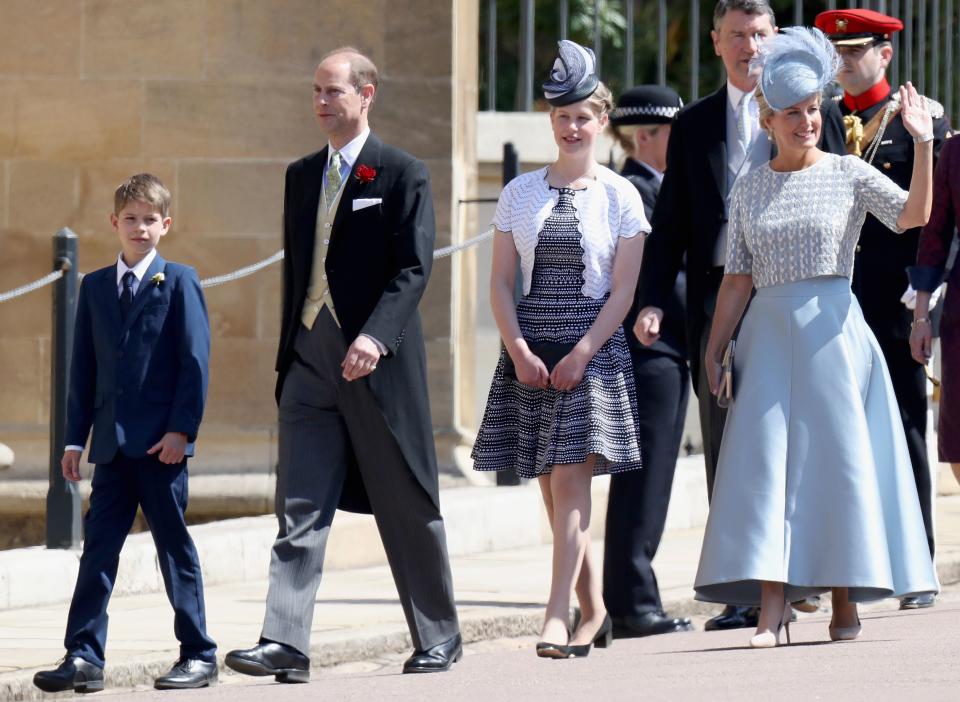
478	520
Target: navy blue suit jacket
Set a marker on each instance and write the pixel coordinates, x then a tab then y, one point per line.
134	380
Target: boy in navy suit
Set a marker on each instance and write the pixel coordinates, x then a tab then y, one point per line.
139	379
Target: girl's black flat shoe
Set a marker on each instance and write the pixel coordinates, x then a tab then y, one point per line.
603	639
552	650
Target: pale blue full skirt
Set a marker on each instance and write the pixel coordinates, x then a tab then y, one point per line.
814	485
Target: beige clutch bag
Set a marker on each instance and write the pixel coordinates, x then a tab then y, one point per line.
725	395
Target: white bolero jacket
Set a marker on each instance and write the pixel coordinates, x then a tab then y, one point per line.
607	209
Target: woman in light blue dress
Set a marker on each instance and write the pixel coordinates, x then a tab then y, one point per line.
814	487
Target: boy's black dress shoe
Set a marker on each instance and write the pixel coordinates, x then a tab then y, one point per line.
927	599
285	663
188	673
435	659
649	624
73	673
734	617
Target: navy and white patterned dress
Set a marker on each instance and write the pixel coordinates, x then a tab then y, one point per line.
531	429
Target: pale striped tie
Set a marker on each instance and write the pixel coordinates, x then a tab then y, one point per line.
332	186
745	121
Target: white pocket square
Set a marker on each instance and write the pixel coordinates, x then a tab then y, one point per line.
364	202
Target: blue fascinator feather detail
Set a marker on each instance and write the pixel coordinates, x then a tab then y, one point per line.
573	76
794	65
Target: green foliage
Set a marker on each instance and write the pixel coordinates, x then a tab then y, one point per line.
613	30
678	64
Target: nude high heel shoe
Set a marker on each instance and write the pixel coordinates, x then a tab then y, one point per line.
844	633
769	639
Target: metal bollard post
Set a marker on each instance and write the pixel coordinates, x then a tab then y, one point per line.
511	162
63	496
511	169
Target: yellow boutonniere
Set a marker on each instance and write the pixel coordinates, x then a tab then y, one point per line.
158	278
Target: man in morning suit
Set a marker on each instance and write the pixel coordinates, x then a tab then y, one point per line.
863	40
713	141
139	378
355	428
638	501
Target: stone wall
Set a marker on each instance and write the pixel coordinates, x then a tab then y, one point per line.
214	96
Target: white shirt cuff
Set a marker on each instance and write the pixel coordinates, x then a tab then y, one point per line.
71	447
380	345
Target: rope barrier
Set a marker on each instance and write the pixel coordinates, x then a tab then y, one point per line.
450	250
239	273
30	287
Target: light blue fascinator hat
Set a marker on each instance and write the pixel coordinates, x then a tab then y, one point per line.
573	76
795	64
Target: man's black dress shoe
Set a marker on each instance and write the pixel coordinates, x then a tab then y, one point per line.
73	673
435	659
649	624
188	673
285	663
733	617
927	599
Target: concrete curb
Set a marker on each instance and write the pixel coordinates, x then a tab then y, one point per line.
353	647
220	495
375	643
357	647
238	550
477	519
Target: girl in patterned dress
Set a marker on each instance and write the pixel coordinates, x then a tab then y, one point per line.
574	226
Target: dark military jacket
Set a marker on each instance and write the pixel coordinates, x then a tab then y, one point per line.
883	256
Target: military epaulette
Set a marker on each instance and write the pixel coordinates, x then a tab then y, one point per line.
935	108
872	132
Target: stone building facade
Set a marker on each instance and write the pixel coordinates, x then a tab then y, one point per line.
214	96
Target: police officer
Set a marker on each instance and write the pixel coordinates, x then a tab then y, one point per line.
637	505
876	133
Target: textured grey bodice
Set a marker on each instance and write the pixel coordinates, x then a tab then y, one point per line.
786	227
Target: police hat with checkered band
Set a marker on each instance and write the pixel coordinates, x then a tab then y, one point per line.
646	104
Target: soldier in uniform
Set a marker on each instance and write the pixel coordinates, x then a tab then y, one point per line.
876	133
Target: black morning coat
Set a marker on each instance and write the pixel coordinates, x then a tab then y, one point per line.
377	265
673	338
691	211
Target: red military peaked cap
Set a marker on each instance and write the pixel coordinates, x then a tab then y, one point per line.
856	27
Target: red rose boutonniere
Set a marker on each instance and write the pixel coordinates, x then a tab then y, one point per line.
365	174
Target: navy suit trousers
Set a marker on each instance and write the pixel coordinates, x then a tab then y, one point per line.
118	488
638	501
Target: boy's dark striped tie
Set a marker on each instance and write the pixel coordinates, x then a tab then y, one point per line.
126	295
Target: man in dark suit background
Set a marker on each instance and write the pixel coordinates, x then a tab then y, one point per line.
638	501
355	428
713	141
863	40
